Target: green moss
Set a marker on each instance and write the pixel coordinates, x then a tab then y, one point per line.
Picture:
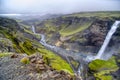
22	44
108	14
98	65
5	54
106	77
52	59
102	68
50	27
55	61
25	60
27	47
28	31
72	29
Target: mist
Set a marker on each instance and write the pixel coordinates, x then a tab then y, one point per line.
57	6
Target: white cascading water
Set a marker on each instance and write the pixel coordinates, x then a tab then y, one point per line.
42	41
33	29
107	39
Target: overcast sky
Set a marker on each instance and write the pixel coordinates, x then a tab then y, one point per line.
57	6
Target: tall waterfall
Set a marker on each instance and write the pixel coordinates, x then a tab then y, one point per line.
107	39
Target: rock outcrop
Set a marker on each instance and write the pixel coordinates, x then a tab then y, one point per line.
12	69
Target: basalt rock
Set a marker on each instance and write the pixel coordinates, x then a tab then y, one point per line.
98	31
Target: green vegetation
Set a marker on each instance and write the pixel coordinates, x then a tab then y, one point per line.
101	68
66	25
25	60
72	29
23	44
71	24
20	43
50	26
27	47
4	54
54	60
28	30
105	77
95	14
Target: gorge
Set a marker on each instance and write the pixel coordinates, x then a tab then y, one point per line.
73	47
79	56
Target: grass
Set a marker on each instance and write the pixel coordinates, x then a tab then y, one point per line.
101	68
24	25
4	54
54	60
23	44
95	14
72	29
25	60
106	77
30	47
98	65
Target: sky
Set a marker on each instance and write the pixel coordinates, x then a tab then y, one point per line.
57	6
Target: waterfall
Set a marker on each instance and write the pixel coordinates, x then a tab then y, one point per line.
107	39
33	29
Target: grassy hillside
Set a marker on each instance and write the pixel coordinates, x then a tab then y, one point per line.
96	14
24	42
72	29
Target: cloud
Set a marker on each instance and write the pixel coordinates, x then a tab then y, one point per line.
57	6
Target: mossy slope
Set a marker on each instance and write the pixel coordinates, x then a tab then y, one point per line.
24	42
102	69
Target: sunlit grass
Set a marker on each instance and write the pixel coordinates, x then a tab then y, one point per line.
74	29
4	54
96	14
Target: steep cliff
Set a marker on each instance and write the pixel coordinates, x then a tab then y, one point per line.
78	32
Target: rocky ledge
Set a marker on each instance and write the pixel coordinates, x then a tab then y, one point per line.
23	67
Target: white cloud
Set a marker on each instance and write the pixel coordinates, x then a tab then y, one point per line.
57	6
